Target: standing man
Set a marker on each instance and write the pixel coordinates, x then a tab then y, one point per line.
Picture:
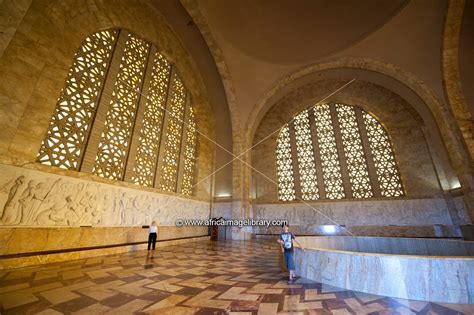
286	243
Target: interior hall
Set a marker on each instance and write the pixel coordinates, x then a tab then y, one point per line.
249	157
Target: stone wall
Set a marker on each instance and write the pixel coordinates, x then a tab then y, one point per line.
42	212
36	53
407	217
406	212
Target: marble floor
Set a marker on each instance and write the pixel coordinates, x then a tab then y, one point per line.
195	278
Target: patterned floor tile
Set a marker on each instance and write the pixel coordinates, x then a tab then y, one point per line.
63	294
206	299
312	294
171	300
195	278
236	293
360	308
14	299
14	287
292	303
264	288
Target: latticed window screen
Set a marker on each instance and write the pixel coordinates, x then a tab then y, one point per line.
354	152
189	155
286	185
384	159
304	148
63	145
339	133
94	124
150	134
173	134
115	139
329	158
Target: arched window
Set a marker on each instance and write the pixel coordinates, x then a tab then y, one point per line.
335	151
124	114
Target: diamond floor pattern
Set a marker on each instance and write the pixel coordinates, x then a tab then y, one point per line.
195	278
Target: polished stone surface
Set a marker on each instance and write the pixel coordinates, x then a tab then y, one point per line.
408	217
195	278
64	238
375	212
398	273
33	198
424	211
391	245
421	231
33	259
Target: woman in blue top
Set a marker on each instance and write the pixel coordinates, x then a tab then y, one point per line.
286	243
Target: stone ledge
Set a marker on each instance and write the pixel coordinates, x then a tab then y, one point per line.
419	277
41	259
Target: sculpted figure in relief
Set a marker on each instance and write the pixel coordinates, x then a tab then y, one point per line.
37	199
10	213
41	200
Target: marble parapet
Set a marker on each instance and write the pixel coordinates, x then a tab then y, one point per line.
441	279
421	231
391	245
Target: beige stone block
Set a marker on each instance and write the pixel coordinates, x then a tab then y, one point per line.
64	294
168	302
14	299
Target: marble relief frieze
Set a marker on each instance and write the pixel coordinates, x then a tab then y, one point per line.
429	211
34	198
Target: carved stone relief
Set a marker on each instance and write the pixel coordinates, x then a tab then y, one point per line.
39	199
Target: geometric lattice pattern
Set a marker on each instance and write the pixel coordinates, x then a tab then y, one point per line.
195	278
70	125
173	134
115	139
284	161
384	159
189	155
149	142
354	152
336	149
304	149
108	77
331	168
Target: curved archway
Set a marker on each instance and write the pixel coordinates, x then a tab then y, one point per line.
436	116
455	95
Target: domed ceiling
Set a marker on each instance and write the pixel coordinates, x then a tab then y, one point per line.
282	31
